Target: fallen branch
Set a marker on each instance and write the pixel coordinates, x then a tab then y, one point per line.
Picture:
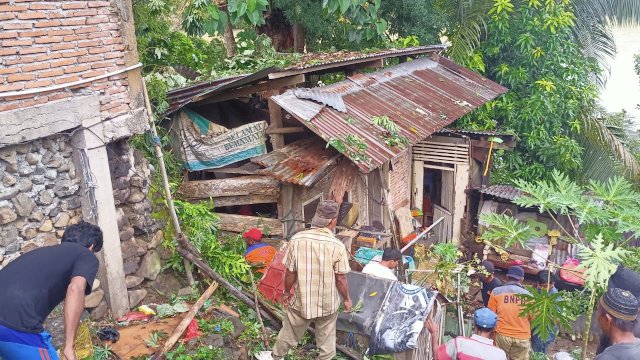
177	333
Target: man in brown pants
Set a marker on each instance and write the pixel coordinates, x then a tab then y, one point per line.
317	263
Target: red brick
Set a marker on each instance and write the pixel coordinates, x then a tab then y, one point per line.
20	77
99	50
32	33
25	42
76	69
74	5
49	39
93	4
9	70
87	59
7	16
118	47
63	46
33	67
11	87
4	52
42	7
85	13
12	8
63	62
112	41
110	26
73	22
87	29
98	87
76	37
32	15
59	14
32	50
113	55
89	43
59	96
75	53
115	90
60	32
119	109
50	73
9	106
13	26
104	64
8	34
68	79
105	11
36	101
37	84
93	73
50	23
97	20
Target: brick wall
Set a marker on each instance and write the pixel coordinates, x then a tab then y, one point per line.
45	43
399	180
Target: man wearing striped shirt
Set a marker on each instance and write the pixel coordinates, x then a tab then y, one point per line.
317	263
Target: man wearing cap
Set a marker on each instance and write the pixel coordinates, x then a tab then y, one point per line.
258	253
478	346
489	281
317	263
513	331
617	317
624	279
384	269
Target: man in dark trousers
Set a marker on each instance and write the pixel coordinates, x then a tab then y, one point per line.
489	281
36	282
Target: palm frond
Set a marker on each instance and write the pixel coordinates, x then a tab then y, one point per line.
469	19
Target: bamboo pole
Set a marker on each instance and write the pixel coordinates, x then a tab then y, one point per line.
182	326
165	178
394	232
265	336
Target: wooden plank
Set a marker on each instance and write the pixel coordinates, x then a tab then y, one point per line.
132	338
428	166
460	184
417	188
242	223
238	186
285	130
248	90
275	120
246	200
237	171
439	159
487	144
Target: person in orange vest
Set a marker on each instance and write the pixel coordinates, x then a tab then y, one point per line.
513	331
258	254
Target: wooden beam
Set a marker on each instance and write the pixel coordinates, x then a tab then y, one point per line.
486	144
236	171
239	186
427	166
251	89
284	130
241	223
275	120
246	200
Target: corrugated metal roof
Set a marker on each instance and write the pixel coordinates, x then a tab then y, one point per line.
421	96
507	192
178	98
300	162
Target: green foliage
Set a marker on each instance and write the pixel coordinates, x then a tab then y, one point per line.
202	17
421	19
544	308
221	326
600	262
363	16
253	53
102	352
505	230
529	49
392	135
155	339
202	353
352	146
448	265
200	225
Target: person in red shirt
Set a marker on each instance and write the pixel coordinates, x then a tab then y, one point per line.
478	347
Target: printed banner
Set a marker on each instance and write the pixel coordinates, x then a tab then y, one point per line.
206	145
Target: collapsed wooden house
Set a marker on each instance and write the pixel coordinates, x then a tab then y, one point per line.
359	141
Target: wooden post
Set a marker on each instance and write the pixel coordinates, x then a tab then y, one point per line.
182	326
417	191
165	179
460	183
99	206
392	222
275	116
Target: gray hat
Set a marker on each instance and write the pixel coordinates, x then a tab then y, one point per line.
326	211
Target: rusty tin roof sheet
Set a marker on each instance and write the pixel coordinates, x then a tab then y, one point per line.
301	162
506	192
421	96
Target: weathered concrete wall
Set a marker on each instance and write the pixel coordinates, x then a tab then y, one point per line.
39	195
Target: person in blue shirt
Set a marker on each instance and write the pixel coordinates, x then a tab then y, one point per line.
545	281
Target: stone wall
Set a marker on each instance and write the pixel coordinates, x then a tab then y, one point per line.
39	195
140	234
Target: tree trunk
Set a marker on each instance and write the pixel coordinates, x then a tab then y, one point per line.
229	39
240	223
587	326
239	186
298	38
